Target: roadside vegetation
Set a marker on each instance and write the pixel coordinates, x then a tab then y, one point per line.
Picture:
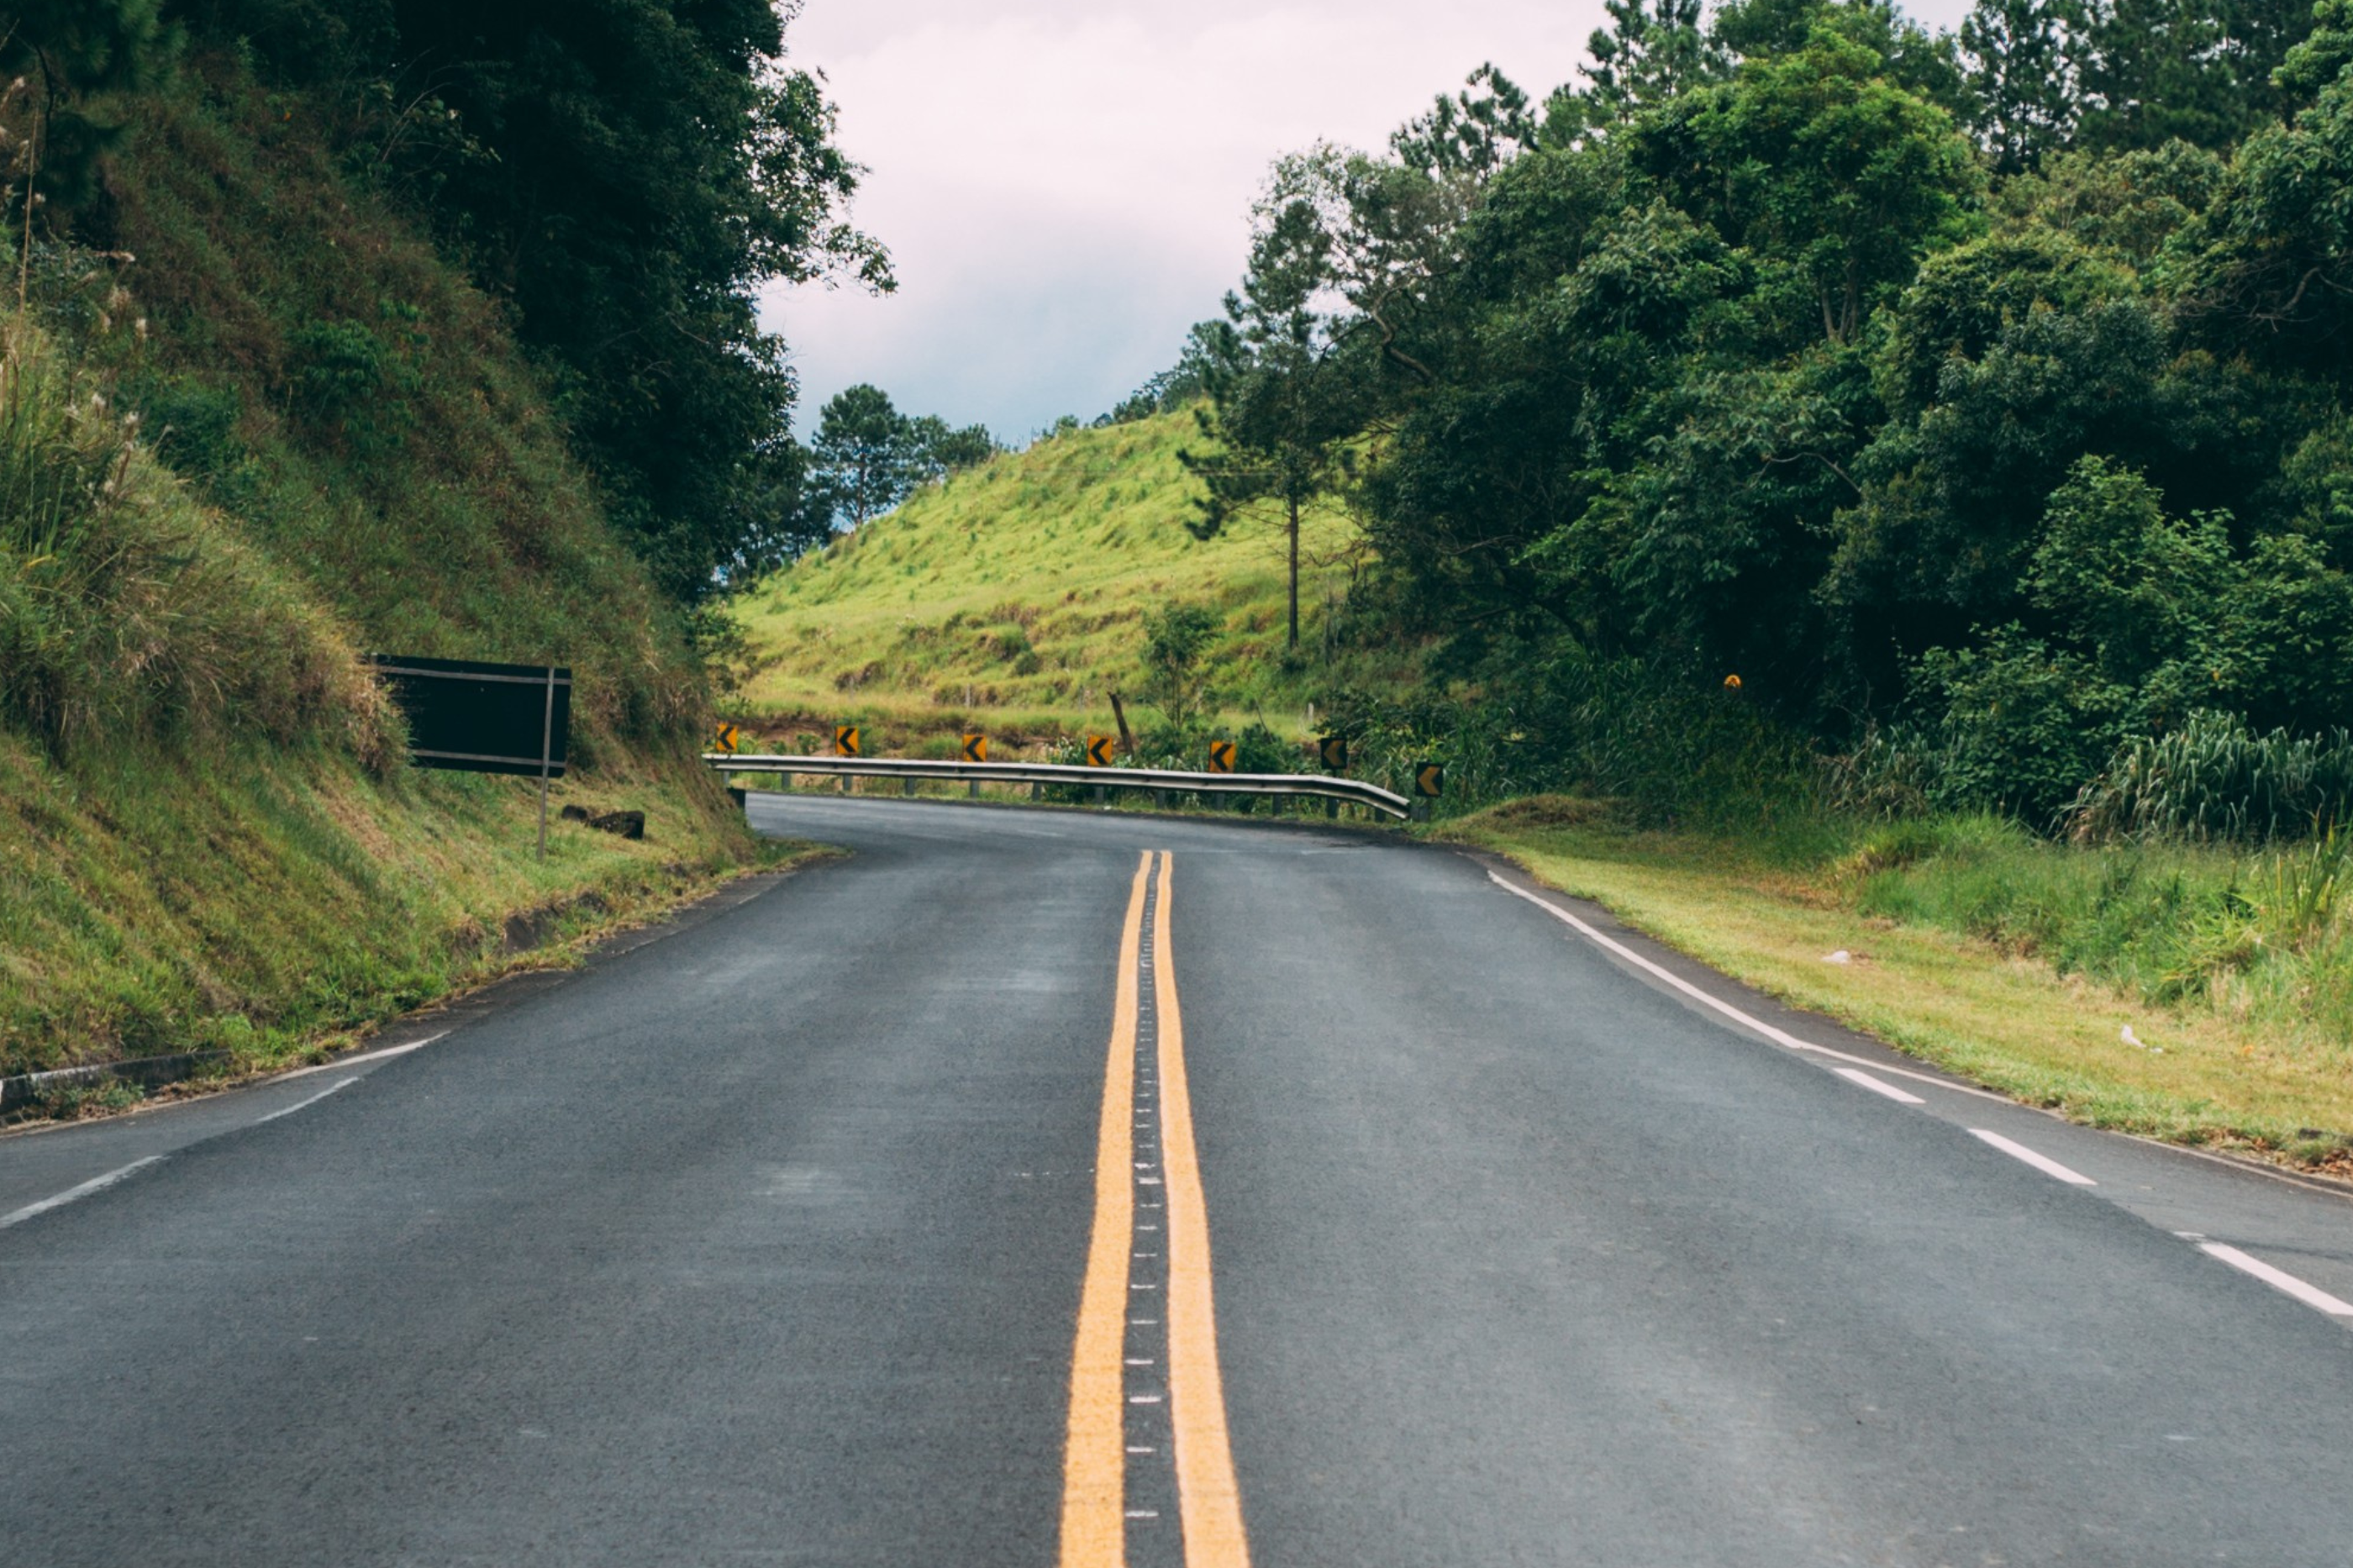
278	388
1817	486
1017	595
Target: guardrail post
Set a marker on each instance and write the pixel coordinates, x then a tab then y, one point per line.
911	788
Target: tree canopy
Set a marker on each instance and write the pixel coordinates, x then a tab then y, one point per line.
1989	392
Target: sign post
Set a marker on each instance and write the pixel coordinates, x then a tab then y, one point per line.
1429	783
471	717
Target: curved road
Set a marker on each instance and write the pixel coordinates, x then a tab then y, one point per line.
1038	1188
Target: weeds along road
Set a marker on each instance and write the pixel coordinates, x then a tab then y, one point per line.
1036	1187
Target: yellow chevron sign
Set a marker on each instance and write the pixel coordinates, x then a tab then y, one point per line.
1221	756
1428	779
1099	750
975	748
725	740
845	740
1335	749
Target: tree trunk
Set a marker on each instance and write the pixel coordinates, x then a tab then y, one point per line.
1295	573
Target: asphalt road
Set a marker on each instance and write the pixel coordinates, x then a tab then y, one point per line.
1003	1194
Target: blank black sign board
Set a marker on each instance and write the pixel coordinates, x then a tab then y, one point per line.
481	717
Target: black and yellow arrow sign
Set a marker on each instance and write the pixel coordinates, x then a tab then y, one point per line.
845	740
975	748
1099	750
725	740
1335	752
1430	779
1221	756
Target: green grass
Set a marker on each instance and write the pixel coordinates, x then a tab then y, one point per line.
2015	961
261	900
1011	598
288	432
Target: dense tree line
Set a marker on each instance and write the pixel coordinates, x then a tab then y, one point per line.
1987	393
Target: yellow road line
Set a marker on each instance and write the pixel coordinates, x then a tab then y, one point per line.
1208	1499
1094	1461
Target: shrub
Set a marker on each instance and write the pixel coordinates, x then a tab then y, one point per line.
2215	778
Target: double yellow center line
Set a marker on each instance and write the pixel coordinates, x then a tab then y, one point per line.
1096	1456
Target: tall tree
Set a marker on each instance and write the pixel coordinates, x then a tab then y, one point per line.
1652	51
867	454
1284	402
2016	57
2151	71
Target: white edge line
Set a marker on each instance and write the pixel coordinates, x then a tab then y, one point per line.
385	1055
1778	1036
95	1185
2278	1279
302	1104
2042	1163
1900	1096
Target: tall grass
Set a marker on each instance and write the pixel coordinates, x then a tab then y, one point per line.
2259	931
2214	778
126	611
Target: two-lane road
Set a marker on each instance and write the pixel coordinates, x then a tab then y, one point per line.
1038	1188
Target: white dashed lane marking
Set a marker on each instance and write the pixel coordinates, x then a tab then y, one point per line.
2042	1163
2280	1279
1876	1086
95	1185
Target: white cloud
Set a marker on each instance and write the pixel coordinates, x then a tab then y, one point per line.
1065	185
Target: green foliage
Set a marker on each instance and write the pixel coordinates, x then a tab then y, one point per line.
1973	462
626	174
63	55
1832	176
1175	639
867	456
2215	778
284	432
128	614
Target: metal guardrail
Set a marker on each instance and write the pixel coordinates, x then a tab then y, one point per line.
1308	786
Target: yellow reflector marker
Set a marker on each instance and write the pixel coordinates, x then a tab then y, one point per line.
1207	1498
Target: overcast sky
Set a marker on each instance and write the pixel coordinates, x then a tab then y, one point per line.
1065	185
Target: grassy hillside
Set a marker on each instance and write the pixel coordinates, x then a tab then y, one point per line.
251	425
1012	597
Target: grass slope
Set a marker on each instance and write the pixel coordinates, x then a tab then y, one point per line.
1012	597
252	426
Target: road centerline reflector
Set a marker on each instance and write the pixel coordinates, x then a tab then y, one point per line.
1094	1461
1148	1040
1208	1499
